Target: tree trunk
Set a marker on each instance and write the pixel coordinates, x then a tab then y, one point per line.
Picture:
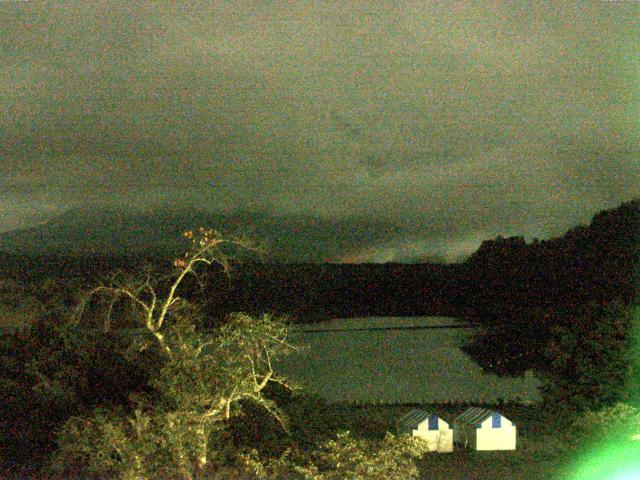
203	446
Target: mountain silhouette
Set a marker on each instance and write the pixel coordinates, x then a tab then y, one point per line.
118	231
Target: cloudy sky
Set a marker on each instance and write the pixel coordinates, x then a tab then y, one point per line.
465	120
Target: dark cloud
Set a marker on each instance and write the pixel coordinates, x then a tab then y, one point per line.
467	120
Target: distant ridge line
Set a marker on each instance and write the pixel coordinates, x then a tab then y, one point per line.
380	329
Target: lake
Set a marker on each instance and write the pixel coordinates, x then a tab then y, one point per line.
397	359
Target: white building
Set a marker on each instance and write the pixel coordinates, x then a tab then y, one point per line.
481	429
430	427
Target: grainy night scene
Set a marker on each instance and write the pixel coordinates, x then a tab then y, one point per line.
320	240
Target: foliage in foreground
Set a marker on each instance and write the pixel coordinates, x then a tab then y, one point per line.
52	370
197	388
171	430
619	421
196	383
343	457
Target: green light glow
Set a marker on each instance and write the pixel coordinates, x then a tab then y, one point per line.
616	461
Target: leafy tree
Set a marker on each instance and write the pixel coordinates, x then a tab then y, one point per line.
590	357
197	382
51	370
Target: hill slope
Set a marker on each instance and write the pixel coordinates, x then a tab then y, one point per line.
114	232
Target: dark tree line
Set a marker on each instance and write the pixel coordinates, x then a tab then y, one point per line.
567	308
503	281
530	288
594	263
312	292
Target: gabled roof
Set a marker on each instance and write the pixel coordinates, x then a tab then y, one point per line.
412	419
474	416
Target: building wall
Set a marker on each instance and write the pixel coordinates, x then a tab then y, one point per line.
496	438
440	440
505	422
503	438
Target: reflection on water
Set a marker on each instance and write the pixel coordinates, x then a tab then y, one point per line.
396	365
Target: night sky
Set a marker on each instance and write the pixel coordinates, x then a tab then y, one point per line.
467	121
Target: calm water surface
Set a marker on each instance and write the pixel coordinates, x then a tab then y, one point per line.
396	362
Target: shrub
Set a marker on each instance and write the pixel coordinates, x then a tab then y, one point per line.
343	457
51	371
193	396
620	421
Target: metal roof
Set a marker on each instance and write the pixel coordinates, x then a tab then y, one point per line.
474	416
412	419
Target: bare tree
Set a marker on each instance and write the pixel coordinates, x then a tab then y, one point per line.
141	290
202	379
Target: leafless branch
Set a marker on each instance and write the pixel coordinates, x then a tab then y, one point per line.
265	404
254	375
263	383
283	382
198	279
107	320
203	345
